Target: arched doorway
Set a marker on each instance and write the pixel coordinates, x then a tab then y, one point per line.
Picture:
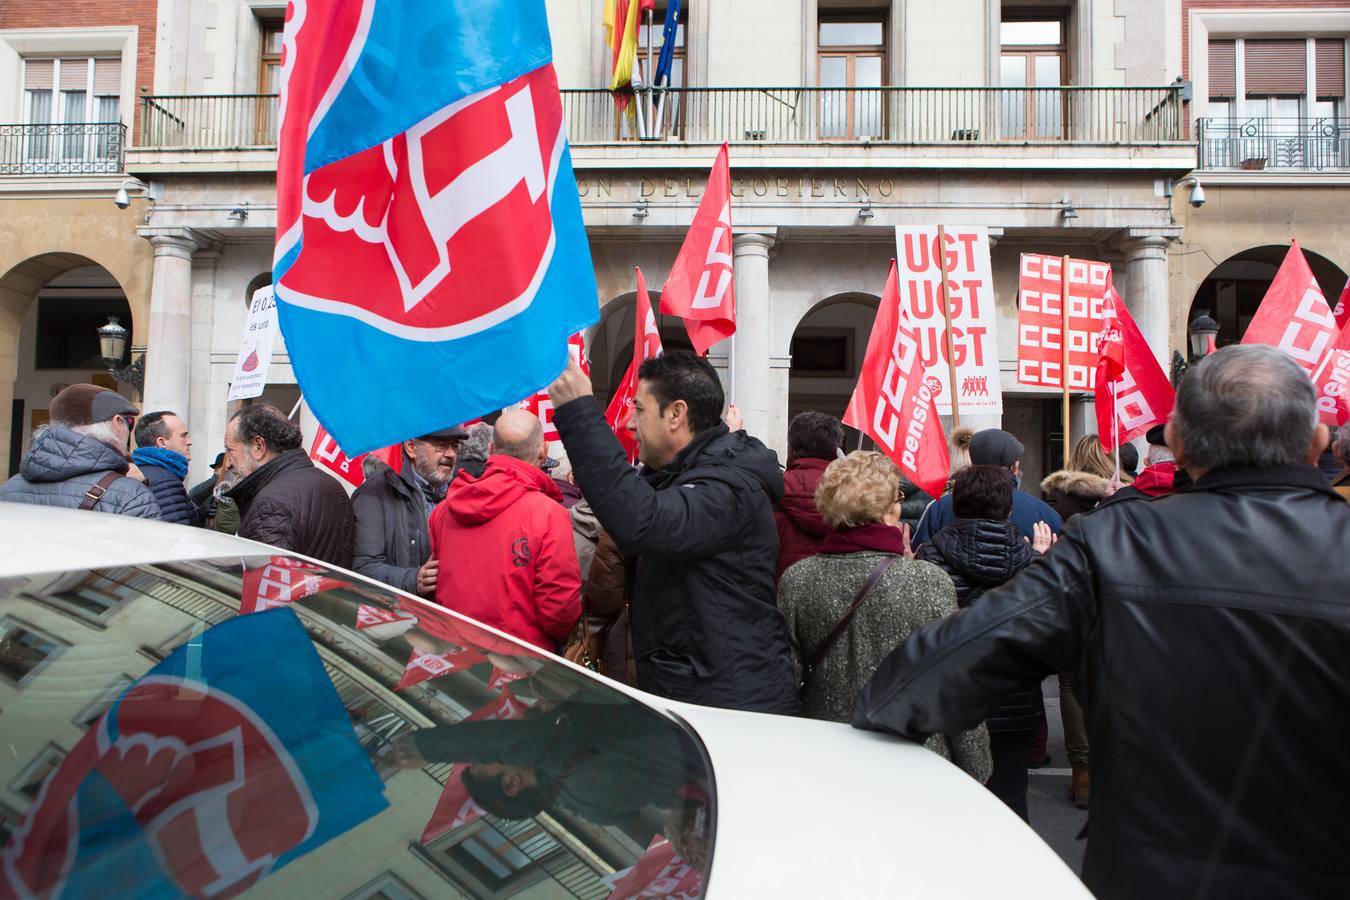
610	343
828	346
52	306
1232	292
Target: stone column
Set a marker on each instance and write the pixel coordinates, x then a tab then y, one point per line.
204	418
167	370
1147	297
758	389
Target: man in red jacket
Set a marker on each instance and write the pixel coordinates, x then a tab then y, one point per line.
1159	477
504	541
814	441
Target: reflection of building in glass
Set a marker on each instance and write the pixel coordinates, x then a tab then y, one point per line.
73	642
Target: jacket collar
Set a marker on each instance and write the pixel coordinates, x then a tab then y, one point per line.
685	457
253	483
809	462
1296	476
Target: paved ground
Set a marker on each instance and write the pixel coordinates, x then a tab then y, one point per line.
1053	817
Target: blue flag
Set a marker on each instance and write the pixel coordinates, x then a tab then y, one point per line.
668	34
219	766
431	259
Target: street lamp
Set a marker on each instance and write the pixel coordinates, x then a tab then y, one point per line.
112	346
1202	331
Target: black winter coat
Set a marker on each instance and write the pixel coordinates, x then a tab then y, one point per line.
290	504
706	625
170	493
391	541
912	507
1214	682
979	554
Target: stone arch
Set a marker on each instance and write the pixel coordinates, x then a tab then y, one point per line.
828	345
1233	289
610	341
20	287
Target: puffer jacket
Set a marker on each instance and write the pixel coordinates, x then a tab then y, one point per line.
1213	682
290	504
912	507
706	625
171	495
1070	493
62	465
979	554
800	526
506	551
391	540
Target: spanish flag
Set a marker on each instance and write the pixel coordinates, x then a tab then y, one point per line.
620	20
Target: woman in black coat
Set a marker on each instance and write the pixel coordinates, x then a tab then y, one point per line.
982	550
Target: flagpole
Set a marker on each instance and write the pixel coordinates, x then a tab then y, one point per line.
947	319
1064	351
650	80
1115	427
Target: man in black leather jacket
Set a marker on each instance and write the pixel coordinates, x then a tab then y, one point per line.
1209	632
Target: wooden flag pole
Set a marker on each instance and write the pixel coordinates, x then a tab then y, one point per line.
1064	351
947	320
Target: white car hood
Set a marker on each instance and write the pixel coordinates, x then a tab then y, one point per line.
819	809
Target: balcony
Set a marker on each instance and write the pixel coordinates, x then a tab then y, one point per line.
1276	145
791	115
95	148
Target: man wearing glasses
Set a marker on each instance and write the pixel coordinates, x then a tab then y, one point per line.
392	543
79	461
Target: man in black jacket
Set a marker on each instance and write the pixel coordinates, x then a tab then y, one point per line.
1208	633
705	619
163	451
392	543
284	500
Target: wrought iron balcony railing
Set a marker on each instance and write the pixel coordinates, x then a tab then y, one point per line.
1254	144
95	148
1102	115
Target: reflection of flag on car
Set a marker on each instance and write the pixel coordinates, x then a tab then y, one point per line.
426	666
427	217
282	581
660	872
202	778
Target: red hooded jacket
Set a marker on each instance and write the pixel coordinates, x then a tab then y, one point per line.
506	553
800	527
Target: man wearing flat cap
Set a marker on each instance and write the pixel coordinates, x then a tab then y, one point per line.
993	447
79	461
392	507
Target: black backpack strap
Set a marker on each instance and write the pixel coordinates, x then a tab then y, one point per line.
96	491
823	648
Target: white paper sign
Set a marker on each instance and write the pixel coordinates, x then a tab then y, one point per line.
255	351
970	287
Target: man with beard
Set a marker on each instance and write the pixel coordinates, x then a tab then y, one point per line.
392	542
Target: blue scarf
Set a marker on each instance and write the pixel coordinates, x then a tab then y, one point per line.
163	457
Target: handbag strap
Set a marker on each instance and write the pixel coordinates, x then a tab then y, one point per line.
824	646
96	491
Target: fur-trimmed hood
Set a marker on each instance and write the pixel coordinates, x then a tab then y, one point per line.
1081	485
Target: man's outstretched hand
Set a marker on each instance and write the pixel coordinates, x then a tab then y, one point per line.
572	384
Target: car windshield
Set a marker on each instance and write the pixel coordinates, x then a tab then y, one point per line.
265	726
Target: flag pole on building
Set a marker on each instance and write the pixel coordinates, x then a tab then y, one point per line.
947	319
1064	352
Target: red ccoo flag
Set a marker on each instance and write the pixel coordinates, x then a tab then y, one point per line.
1294	316
1333	382
700	287
892	404
1342	309
646	345
1129	379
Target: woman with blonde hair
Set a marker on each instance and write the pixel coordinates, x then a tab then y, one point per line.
859	597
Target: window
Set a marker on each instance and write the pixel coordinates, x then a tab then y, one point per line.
24	651
1034	54
269	81
44	764
86	717
67	331
92	595
823	352
851	55
496	858
79	98
386	887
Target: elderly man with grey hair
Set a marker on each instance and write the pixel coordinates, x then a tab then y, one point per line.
1207	633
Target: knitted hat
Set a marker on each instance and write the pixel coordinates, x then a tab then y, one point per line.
89	404
995	447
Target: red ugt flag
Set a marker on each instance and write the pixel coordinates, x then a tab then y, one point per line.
1129	379
892	404
646	345
699	288
1294	316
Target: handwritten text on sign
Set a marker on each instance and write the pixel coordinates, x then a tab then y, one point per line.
970	289
255	350
1040	324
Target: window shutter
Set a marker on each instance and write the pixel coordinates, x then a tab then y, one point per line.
37	74
74	74
107	76
1330	67
1276	67
1223	69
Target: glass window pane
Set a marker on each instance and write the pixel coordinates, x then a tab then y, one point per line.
1048	71
867	71
1046	33
851	34
1013	71
833	71
272	41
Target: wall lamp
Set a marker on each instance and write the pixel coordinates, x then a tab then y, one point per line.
640	211
1066	212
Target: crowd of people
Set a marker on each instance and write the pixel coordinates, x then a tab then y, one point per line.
1196	621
